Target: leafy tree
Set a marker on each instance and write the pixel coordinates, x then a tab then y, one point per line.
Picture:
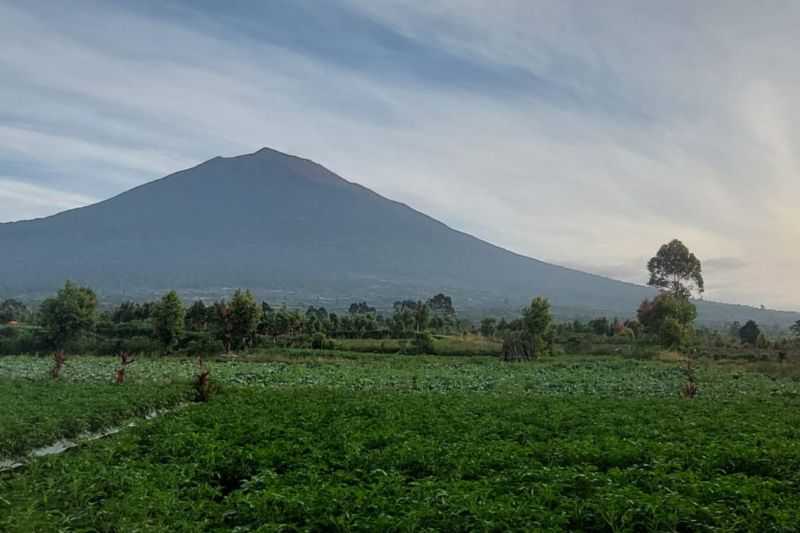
361	308
600	326
442	305
537	321
749	333
197	316
168	320
673	333
71	313
422	316
676	269
423	343
488	327
320	313
244	317
635	326
796	328
405	305
125	312
220	324
13	311
653	313
762	342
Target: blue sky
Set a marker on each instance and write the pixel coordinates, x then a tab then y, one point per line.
583	133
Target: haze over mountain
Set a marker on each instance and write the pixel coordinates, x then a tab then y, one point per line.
294	231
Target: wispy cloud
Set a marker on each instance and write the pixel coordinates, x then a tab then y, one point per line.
22	200
579	133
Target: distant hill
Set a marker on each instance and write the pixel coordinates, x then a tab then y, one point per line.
293	231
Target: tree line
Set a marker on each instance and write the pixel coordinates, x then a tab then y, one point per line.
72	320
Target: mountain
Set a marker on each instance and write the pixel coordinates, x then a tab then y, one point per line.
293	231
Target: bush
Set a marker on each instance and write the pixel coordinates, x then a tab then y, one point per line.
203	345
672	333
519	345
423	343
320	342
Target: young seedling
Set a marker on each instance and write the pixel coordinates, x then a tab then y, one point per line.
202	386
58	364
689	389
125	360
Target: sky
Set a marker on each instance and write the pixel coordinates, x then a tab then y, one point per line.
581	133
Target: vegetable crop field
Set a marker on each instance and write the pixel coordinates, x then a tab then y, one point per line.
343	441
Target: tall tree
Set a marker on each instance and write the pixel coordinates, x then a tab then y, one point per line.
360	308
197	316
71	313
422	316
537	320
676	269
488	326
244	316
168	320
796	328
750	333
441	304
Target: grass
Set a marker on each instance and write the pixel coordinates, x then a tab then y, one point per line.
356	442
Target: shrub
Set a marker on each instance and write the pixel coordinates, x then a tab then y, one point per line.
672	333
518	345
320	341
423	343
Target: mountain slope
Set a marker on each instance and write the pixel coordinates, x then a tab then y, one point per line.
270	221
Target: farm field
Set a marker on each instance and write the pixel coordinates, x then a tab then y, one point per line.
359	442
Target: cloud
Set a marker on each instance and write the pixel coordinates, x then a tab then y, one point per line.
723	264
577	133
22	200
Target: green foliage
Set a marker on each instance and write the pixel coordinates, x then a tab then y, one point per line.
244	316
361	308
423	343
316	459
600	326
45	412
749	333
488	327
537	321
795	329
68	315
673	333
518	345
132	311
321	342
762	342
676	269
168	320
13	311
197	316
442	305
653	314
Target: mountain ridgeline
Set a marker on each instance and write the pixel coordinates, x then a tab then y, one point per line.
291	230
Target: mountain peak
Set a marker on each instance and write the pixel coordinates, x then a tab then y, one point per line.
271	221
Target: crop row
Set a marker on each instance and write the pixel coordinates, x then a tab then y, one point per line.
39	413
322	459
564	376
